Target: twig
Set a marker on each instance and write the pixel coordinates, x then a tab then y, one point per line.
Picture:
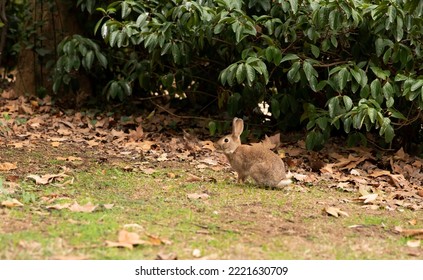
179	116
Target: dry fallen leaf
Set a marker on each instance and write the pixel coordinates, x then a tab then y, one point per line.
12	203
208	161
129	237
9	188
58	206
136	134
30	245
162	157
108	206
45	179
70	158
164	256
55	144
417	233
299	177
369	198
147	171
208	145
336	212
171	175
193	178
154	240
126	239
87	208
355	172
198	196
413	243
118	244
7	166
412	222
327	168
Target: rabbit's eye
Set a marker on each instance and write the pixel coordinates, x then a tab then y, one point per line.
226	140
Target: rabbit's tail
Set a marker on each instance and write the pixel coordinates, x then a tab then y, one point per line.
284	182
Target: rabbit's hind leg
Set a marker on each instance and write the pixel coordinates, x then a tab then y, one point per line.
263	175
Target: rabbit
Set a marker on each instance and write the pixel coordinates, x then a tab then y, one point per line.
257	161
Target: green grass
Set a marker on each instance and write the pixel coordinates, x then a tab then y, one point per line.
235	222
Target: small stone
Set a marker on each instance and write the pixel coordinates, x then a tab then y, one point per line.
196	253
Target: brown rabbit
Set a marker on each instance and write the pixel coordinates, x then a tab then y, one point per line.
257	161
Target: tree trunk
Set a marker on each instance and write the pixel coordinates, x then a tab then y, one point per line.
58	20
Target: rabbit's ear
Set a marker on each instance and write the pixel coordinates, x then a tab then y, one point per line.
237	127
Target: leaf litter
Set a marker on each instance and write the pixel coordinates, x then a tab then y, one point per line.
129	239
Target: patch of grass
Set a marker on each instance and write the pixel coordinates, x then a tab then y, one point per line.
235	222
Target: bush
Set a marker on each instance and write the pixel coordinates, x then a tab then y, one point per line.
353	66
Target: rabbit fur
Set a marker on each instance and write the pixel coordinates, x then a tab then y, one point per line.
257	161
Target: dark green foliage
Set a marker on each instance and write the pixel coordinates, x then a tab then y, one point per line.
352	66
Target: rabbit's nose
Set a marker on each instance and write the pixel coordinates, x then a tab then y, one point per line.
217	146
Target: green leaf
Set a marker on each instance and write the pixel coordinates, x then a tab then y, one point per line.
334	19
218	28
113	37
375	88
102	59
294	5
322	122
56	85
347	125
315	50
399	30
293	74
176	53
251	74
348	103
333	106
380	45
381	74
126	9
372	113
212	128
418	84
88	59
396	114
387	56
309	71
240	73
365	91
387	130
392	13
388	90
363	77
358	119
97	25
342	78
289	56
274	55
167	80
400	77
356	75
390	102
231	70
334	41
314	140
276	111
142	19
